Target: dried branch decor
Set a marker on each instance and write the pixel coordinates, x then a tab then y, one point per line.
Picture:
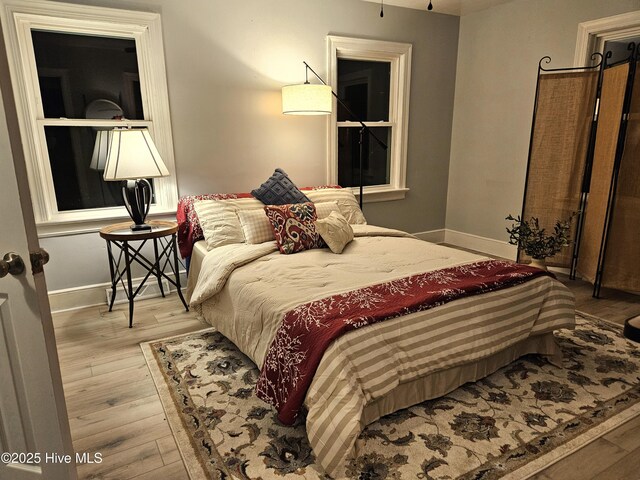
534	241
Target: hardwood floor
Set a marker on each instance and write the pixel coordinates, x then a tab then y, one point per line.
616	455
112	402
114	408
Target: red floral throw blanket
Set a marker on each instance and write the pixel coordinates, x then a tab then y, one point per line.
307	330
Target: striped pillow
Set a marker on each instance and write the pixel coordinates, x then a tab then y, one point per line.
324	209
345	199
219	220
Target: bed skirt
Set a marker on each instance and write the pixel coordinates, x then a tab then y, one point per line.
444	381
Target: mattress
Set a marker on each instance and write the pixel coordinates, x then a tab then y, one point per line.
245	291
195	263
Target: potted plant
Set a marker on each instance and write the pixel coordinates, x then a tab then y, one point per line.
535	241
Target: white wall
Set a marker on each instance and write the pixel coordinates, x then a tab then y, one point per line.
498	56
226	62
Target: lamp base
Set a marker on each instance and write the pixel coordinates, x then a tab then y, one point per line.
137	228
137	200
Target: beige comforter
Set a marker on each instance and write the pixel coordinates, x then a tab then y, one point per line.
244	291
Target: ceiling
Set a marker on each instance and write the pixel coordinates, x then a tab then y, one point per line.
451	7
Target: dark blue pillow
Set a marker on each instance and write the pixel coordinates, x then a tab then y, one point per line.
279	190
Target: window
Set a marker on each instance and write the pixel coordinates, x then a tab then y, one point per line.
372	79
77	72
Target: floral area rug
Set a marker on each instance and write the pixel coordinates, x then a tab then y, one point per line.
511	424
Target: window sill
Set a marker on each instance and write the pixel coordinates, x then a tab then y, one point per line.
82	227
381	194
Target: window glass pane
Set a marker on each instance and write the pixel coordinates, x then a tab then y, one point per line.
75	70
76	159
376	161
364	87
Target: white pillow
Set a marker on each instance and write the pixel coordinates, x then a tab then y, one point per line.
345	199
219	220
257	228
335	231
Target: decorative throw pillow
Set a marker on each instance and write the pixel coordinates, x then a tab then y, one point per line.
279	190
256	226
335	231
293	226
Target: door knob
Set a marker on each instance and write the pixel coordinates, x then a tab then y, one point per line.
11	263
39	259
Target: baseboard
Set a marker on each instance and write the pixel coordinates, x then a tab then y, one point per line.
488	246
480	244
77	297
433	236
151	289
92	295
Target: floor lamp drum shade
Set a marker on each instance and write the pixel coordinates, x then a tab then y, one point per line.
134	157
307	99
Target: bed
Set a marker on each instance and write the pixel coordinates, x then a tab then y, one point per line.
245	290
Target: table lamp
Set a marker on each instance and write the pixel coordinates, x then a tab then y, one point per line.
133	157
100	150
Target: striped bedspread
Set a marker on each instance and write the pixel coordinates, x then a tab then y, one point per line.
369	363
245	294
306	331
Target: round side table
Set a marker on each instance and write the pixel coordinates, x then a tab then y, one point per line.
119	237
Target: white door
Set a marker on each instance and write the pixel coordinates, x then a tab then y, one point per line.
34	428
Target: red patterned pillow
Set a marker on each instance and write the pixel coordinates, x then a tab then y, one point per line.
294	227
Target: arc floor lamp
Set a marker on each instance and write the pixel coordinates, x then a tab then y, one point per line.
310	99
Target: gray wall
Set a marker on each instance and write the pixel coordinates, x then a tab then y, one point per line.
226	62
498	55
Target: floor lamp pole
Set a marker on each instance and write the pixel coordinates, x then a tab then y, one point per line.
364	129
361	156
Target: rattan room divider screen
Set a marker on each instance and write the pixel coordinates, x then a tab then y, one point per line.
584	157
563	115
621	257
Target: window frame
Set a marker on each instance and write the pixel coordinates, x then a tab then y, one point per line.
19	18
399	56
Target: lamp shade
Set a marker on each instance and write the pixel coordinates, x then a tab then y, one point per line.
132	155
306	99
100	150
